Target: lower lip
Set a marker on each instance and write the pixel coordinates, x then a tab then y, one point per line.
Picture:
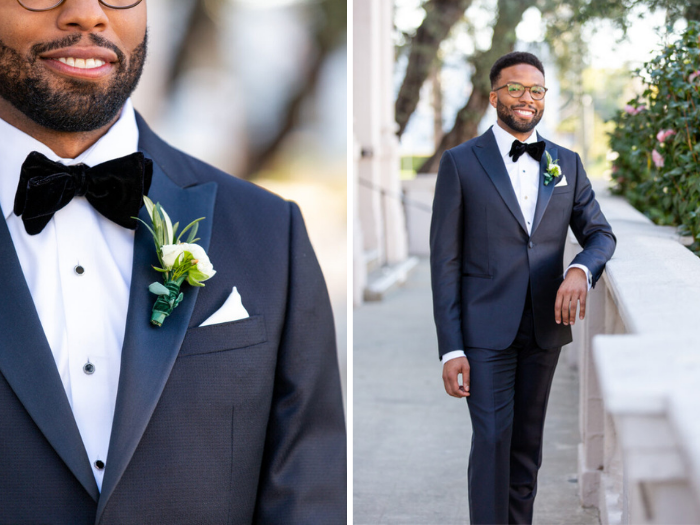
65	69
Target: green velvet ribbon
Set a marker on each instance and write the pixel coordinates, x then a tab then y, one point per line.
165	304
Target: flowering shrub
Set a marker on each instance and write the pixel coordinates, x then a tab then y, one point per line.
657	167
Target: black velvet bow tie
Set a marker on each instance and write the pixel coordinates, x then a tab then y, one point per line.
114	188
534	149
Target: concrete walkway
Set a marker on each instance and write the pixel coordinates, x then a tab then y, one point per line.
411	441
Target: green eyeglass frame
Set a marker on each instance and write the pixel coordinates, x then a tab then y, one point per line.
517	87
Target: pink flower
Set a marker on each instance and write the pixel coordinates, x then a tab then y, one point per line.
657	158
615	168
631	110
662	135
693	76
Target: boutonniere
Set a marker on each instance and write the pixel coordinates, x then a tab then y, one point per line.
553	169
179	261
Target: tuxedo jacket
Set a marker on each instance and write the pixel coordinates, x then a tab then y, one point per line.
482	257
240	422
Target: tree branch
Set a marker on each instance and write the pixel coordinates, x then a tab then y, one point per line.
468	118
440	16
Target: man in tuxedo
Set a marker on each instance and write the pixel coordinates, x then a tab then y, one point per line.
502	301
104	417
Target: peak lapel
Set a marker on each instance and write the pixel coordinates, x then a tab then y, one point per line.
149	352
486	150
26	362
545	192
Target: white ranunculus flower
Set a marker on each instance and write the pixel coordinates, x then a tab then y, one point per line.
555	170
203	263
171	252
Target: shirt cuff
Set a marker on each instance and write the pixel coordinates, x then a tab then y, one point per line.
589	277
452	355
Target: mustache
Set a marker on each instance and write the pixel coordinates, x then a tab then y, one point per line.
524	106
71	40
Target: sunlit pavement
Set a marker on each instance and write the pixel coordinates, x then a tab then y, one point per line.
411	441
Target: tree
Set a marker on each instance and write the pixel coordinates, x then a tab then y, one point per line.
440	16
465	127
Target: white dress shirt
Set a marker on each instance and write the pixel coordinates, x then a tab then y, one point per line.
83	316
525	177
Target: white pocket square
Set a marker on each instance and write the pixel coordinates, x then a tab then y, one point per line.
232	310
562	182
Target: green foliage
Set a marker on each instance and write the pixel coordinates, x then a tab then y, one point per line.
660	175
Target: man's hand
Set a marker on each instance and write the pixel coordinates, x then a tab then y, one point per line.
450	372
571	292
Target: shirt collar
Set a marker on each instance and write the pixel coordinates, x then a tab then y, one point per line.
120	140
505	139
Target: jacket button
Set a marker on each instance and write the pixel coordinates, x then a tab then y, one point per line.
530	244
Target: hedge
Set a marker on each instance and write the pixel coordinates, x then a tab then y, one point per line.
656	139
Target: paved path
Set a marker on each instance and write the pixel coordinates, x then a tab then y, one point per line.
411	441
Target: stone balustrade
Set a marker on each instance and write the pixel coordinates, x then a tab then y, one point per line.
638	353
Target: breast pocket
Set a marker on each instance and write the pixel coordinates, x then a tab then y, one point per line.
562	189
224	336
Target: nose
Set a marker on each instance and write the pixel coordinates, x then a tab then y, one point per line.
527	96
83	15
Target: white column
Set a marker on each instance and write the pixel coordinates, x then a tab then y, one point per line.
358	257
389	161
366	104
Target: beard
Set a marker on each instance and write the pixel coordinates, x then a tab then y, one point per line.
508	117
68	104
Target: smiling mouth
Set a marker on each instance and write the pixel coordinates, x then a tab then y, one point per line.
82	63
524	112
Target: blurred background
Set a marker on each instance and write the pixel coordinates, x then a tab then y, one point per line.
258	89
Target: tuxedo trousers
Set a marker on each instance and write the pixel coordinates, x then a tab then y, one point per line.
509	393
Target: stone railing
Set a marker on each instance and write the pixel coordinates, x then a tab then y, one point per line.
638	353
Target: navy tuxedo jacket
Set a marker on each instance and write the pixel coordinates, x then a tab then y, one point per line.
240	422
482	257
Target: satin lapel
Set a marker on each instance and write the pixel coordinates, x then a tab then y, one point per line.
149	353
544	193
486	150
28	365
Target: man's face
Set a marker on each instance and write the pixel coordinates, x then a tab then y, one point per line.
522	114
72	68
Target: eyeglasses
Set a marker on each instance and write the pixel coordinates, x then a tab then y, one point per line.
516	90
46	5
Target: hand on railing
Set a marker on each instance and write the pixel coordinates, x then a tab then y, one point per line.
571	292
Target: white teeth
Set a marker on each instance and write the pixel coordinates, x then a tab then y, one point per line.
81	63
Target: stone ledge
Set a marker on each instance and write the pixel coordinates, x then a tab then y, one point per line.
387	278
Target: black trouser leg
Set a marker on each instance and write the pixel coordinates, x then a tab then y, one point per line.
509	391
